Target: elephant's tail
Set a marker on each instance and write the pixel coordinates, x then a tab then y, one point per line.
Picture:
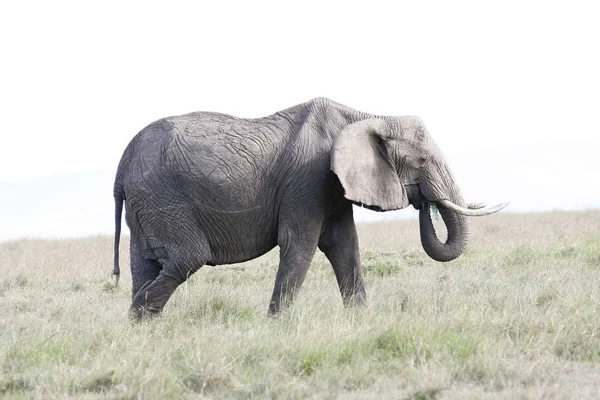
119	197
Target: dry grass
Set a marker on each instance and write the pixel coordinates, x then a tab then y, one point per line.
515	317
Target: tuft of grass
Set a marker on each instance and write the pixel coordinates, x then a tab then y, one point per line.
522	256
206	384
425	394
15	282
14	385
486	374
98	381
591	252
222	309
581	346
381	264
108	287
310	361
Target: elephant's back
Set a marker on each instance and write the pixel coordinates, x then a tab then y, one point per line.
212	161
226	151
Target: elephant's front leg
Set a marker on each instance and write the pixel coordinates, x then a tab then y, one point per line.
297	249
339	242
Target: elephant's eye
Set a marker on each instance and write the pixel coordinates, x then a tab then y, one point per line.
423	160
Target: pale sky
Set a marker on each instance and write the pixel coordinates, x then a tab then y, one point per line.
513	86
78	80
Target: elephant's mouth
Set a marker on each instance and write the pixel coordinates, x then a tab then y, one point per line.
415	197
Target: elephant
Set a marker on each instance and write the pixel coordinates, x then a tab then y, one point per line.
208	188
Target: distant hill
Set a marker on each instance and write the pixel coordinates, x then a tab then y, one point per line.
534	178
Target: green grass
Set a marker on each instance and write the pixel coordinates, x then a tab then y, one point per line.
517	316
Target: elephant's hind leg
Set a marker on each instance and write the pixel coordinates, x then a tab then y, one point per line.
143	271
150	299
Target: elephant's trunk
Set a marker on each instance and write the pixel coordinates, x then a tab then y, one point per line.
458	233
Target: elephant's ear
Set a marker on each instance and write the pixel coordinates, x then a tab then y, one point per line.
368	177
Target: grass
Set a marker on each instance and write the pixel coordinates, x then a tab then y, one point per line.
517	316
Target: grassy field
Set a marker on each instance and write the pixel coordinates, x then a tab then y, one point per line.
517	316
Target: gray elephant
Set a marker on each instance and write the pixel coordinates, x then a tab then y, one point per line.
209	188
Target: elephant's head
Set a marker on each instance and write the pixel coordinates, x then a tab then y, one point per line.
388	164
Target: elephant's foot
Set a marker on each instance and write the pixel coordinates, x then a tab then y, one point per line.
139	313
273	309
279	303
150	301
357	300
354	294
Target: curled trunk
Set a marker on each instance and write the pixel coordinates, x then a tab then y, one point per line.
458	233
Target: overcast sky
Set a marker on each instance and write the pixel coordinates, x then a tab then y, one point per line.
78	79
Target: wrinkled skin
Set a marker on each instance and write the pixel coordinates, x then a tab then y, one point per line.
208	188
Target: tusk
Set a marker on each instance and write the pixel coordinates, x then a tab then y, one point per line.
475	206
472	212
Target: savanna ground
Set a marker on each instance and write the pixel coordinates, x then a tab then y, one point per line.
517	316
